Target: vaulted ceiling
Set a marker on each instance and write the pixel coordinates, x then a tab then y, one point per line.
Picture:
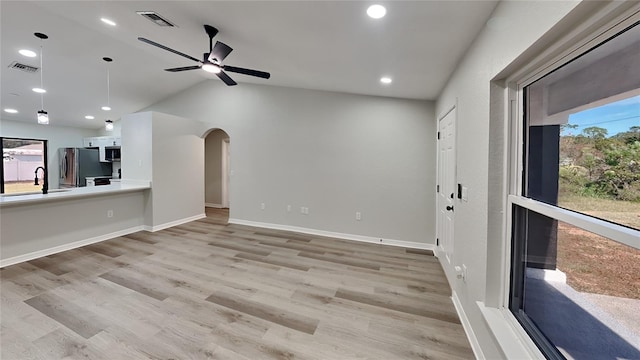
323	45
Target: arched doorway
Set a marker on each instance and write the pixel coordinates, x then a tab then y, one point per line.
216	169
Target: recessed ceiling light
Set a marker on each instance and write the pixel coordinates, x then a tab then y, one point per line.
106	108
11	111
385	80
27	53
376	11
108	22
89	117
39	90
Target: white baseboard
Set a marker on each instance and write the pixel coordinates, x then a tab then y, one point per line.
471	336
65	247
362	238
174	223
211	205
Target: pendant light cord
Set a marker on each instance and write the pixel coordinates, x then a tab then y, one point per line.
41	77
108	87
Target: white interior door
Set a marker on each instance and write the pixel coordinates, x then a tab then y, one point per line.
446	184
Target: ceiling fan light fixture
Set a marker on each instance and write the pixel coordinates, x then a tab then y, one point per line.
108	125
211	68
376	11
43	117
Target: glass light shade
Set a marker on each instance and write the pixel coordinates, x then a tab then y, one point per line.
43	117
108	125
211	68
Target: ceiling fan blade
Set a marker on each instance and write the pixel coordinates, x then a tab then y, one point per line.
184	68
220	51
167	48
260	74
227	80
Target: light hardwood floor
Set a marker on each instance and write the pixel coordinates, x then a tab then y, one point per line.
208	290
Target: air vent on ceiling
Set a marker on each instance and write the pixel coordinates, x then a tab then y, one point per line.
155	18
23	67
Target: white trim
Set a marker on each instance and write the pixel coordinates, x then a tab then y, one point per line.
471	336
513	341
174	223
619	233
361	238
69	246
212	205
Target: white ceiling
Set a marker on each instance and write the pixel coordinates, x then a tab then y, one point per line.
324	45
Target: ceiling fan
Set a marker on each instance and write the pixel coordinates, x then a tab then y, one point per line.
211	61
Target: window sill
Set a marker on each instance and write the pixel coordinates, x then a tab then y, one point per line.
511	339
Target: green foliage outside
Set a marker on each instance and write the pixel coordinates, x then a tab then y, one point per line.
592	164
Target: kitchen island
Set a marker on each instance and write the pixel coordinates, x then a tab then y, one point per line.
34	225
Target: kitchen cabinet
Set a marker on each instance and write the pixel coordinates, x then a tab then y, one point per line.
102	142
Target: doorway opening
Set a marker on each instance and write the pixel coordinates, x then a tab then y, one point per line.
217	169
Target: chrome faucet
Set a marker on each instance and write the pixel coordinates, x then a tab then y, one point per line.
45	179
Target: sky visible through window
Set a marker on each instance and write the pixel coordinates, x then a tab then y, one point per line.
616	117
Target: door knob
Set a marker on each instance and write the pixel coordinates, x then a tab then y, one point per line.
449	208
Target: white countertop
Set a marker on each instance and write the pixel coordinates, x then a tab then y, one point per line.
73	193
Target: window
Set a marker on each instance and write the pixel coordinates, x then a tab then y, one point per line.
575	216
20	158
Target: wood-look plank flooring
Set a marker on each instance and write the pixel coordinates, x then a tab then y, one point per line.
209	290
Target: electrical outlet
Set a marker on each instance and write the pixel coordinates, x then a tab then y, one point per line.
109	213
302	210
262	206
288	208
358	215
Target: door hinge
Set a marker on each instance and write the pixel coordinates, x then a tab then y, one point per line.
437	188
437	242
438	135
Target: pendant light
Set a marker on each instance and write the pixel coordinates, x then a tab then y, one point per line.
108	125
108	106
43	116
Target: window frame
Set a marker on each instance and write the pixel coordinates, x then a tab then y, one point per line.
45	155
602	25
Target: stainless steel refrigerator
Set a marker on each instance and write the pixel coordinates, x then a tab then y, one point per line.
76	164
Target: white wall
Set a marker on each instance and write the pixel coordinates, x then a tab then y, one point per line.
514	27
178	170
169	152
331	152
213	167
57	136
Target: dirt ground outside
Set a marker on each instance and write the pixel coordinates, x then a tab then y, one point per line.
593	263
